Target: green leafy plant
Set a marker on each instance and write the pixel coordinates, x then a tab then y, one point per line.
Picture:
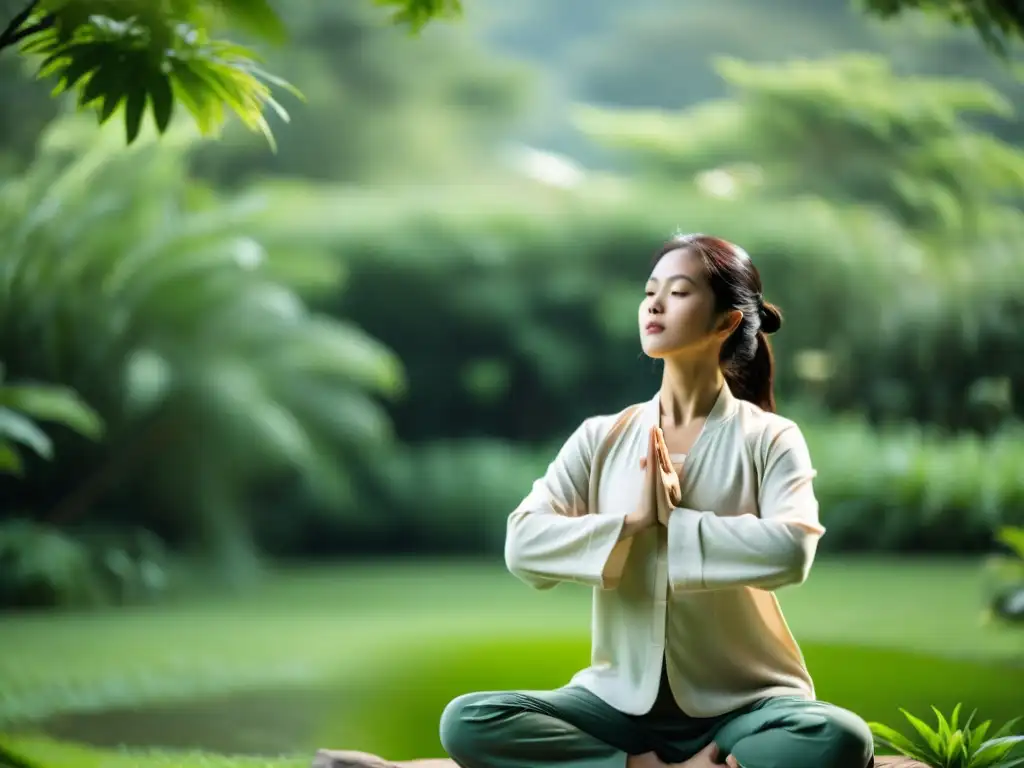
123	278
953	746
130	55
21	405
123	57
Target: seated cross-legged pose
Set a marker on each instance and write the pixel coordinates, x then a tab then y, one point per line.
684	513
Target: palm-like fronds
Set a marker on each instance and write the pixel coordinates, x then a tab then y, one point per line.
161	311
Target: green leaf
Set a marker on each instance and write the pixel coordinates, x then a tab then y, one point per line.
162	98
954	720
945	732
10	459
53	403
893	739
256	16
994	750
416	13
1007	728
978	736
931	737
82	59
956	753
1012	537
134	110
19	428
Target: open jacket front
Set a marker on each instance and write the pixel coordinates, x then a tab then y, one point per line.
699	594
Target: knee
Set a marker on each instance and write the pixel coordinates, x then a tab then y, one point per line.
849	742
465	735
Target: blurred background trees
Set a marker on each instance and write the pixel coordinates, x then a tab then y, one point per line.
372	339
281	348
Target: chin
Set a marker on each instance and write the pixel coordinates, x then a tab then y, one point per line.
655	351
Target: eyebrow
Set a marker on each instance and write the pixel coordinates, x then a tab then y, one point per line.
673	277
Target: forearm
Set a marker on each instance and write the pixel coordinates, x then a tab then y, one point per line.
543	549
707	551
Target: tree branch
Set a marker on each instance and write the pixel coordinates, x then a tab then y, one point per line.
13	32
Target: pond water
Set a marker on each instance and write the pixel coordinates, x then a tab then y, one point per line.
269	722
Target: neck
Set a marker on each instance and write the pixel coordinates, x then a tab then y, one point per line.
689	389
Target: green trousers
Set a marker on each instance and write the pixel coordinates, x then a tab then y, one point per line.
572	728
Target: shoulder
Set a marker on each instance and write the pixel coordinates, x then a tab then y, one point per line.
767	434
598	430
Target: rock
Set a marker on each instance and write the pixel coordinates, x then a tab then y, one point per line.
339	758
330	758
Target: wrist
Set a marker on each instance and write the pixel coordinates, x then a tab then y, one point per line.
637	521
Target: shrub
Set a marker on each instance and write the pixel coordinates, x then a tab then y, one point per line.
42	567
541	287
896	489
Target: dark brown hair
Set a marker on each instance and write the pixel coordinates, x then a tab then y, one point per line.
747	360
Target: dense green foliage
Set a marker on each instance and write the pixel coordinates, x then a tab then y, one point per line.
238	420
149	300
173	306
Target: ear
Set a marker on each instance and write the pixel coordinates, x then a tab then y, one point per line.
728	322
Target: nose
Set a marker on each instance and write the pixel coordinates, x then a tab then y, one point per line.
654	307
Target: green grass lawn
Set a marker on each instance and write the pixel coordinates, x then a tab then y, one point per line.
316	656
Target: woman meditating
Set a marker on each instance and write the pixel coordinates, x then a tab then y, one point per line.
684	513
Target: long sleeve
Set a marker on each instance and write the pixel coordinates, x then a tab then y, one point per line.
552	536
707	551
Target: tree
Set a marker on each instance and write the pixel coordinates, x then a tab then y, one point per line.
999	22
130	55
847	129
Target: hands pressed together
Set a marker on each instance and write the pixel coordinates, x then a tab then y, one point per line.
661	489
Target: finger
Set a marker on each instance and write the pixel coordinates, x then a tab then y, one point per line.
713	752
675	494
666	462
651	462
643	463
732	762
653	476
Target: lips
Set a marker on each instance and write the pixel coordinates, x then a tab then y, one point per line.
653	328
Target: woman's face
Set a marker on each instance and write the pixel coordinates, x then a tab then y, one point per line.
677	314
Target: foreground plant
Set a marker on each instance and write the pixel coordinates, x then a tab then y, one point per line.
951	746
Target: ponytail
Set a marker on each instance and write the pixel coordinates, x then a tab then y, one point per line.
751	376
